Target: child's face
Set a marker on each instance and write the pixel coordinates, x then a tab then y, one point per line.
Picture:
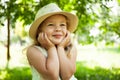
55	27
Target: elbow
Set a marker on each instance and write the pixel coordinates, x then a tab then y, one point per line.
74	69
68	75
53	75
55	78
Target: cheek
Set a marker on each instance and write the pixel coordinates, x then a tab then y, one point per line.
48	33
65	32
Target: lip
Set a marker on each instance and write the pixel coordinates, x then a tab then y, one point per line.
57	36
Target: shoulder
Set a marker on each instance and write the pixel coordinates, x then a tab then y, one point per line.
34	55
33	51
30	51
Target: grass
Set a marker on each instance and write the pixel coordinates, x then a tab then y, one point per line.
92	64
82	73
98	73
101	63
18	73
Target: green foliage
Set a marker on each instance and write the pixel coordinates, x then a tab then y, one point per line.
85	73
82	73
115	28
89	13
118	1
15	74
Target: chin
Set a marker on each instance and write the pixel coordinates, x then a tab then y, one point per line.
56	43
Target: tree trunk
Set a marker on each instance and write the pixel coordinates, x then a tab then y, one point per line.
8	42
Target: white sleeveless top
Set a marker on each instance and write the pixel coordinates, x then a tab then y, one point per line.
35	74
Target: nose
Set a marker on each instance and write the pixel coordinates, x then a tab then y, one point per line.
58	28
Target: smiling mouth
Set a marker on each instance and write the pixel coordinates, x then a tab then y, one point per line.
57	36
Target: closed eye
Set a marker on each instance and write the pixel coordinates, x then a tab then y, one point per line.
50	24
63	24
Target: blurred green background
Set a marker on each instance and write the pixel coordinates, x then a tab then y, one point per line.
97	37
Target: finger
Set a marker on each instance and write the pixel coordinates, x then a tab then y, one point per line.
68	36
68	33
68	39
41	37
38	38
46	38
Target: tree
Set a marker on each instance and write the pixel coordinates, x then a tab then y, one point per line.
89	12
13	10
94	12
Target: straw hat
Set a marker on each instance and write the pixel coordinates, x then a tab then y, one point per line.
47	11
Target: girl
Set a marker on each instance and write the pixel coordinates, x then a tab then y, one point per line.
53	56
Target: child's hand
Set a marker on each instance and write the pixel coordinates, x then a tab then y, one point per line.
44	41
66	41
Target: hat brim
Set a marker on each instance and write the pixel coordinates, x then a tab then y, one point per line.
73	22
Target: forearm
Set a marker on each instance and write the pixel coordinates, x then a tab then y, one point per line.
52	62
66	66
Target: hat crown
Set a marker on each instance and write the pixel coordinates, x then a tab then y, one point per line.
50	8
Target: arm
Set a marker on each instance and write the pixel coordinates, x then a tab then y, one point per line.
67	62
47	66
